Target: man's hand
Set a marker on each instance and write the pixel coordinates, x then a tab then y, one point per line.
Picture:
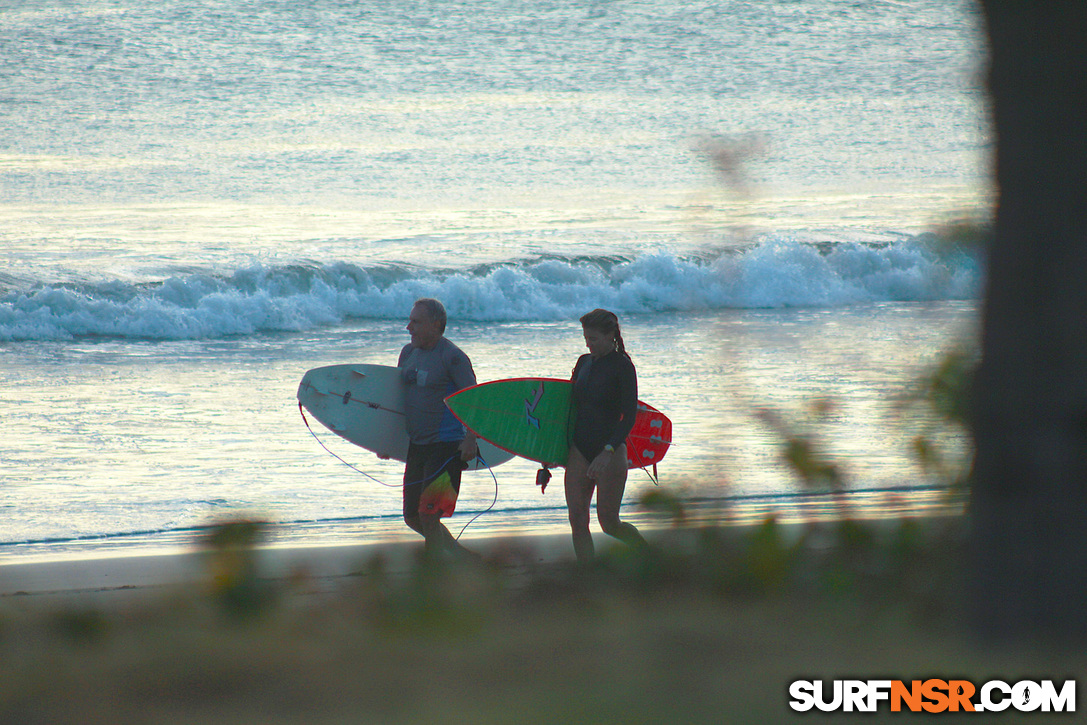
469	449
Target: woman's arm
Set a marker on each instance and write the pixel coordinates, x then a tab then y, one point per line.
628	402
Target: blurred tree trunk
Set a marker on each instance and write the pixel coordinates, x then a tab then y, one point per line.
1029	503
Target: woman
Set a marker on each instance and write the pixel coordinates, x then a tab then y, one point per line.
606	401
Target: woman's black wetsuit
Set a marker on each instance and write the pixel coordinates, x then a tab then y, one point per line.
606	400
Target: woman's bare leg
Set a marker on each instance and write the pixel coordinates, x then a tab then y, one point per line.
609	497
579	496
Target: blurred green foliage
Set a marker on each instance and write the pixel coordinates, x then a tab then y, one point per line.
936	408
231	549
964	234
803	449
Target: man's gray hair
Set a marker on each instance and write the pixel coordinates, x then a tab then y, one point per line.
435	310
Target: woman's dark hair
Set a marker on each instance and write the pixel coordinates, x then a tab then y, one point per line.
607	323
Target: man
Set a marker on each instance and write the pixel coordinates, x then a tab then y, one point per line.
433	368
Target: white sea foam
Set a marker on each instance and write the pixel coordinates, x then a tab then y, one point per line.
263	298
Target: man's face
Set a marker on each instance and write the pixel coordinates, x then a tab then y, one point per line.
424	329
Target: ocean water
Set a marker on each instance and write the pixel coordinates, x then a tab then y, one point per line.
202	199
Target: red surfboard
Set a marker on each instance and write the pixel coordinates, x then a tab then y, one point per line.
649	438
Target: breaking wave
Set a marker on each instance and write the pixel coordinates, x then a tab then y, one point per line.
265	298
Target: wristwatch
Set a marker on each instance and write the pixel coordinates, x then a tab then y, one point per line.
609	448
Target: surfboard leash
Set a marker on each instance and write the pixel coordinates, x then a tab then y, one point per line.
355	468
493	502
352	466
335	455
652	476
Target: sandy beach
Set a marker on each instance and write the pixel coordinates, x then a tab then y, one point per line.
119	577
108	580
711	627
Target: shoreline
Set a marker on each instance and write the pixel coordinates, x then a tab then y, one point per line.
124	574
883	503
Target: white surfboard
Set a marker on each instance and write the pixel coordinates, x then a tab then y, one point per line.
365	405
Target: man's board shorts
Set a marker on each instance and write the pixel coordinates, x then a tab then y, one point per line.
432	478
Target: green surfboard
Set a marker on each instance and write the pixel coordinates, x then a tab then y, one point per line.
530	417
533	418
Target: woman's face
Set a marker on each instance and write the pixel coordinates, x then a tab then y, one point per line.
598	342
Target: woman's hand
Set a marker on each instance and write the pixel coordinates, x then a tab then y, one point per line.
600	464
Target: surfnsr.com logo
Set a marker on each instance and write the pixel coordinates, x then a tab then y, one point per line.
932	695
